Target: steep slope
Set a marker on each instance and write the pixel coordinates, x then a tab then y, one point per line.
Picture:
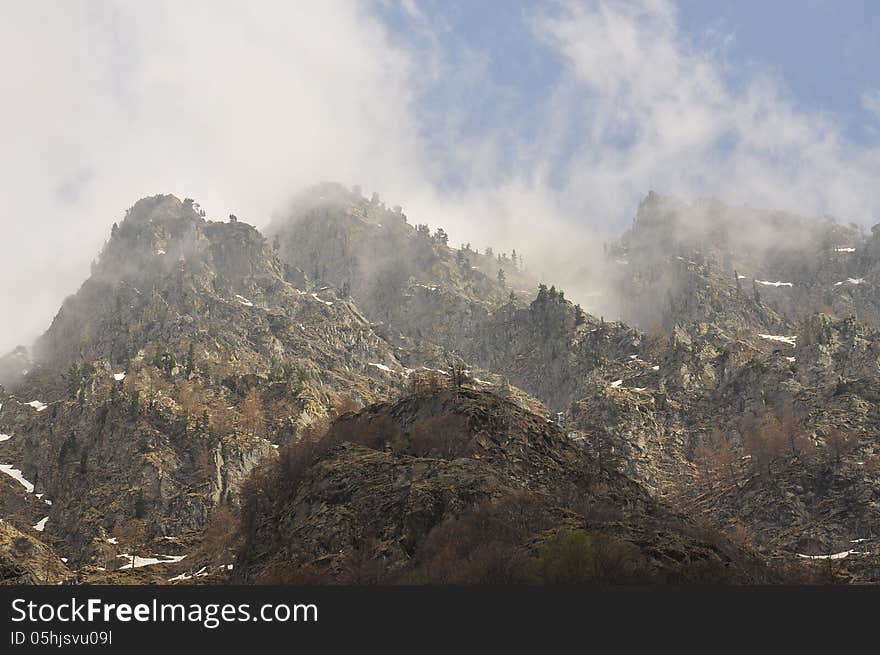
157	376
707	261
25	560
196	349
463	486
429	299
404	278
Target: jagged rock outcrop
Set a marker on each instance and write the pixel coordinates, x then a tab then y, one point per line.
27	561
145	374
404	481
746	397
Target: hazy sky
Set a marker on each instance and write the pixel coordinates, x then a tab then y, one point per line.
511	123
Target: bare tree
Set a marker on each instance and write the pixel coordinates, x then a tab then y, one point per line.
218	540
252	412
799	443
457	372
763	438
132	534
716	459
840	442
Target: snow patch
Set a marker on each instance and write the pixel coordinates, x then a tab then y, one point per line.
244	301
382	367
149	561
14	473
840	555
160	252
184	576
5	437
324	302
616	383
119	377
112	540
844	249
780	338
851	280
37	405
655	368
41	524
767	283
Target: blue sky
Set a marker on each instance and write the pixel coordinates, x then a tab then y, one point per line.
825	53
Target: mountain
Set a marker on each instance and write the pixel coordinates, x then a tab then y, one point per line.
765	269
348	397
143	378
461	486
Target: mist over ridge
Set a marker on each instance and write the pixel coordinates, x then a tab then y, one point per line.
116	102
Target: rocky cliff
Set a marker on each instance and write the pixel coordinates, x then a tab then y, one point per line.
740	390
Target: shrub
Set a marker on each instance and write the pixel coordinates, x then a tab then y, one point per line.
444	435
481	546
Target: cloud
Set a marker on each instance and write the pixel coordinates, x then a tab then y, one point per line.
871	102
655	112
240	105
237	105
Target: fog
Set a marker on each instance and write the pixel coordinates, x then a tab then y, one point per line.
240	106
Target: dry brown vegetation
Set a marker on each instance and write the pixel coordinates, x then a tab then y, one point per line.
131	534
771	435
252	413
717	460
219	540
656	341
840	443
426	381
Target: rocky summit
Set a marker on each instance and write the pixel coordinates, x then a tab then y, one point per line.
351	399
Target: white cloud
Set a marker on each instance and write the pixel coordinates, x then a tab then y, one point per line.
871	102
241	105
237	105
657	113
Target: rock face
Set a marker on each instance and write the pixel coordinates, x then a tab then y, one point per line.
145	373
408	281
25	560
709	262
427	298
741	391
441	464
